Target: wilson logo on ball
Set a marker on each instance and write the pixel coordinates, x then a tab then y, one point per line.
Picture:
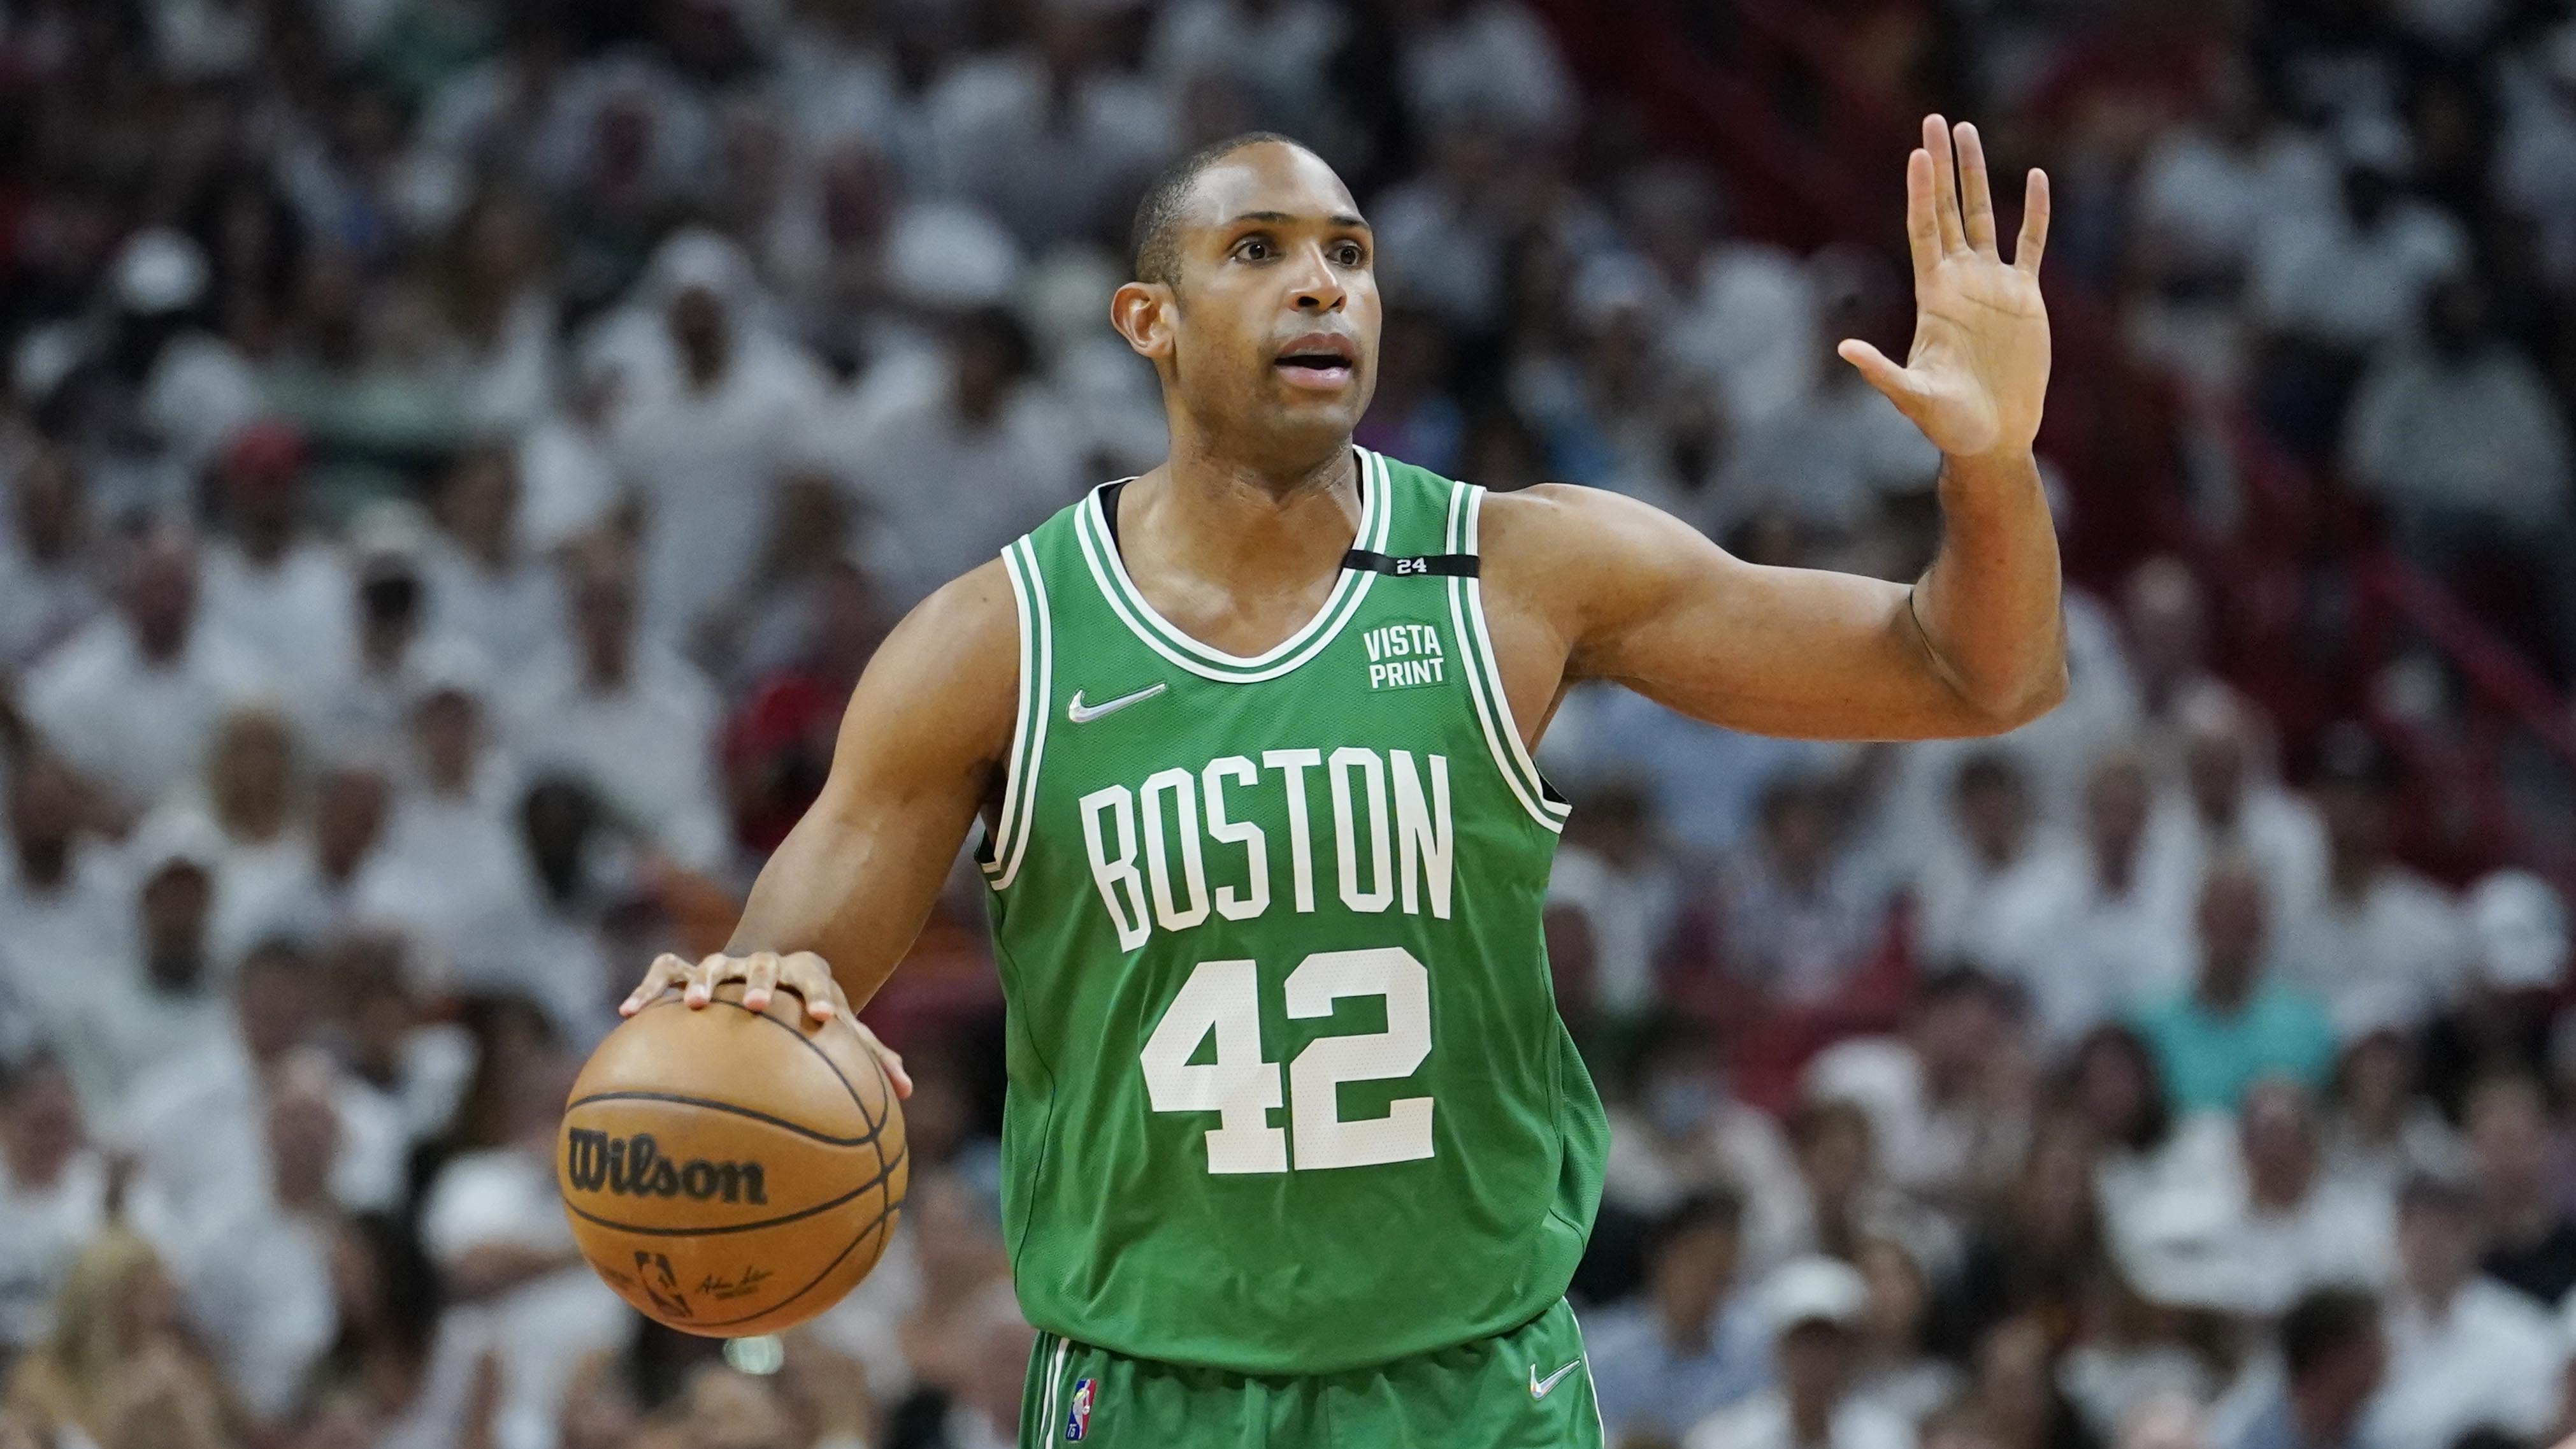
634	1167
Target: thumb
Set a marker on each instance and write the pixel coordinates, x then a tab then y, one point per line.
1878	372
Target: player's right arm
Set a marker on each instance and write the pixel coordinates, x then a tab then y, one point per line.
920	749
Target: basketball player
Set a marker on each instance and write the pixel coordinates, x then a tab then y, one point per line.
1298	1151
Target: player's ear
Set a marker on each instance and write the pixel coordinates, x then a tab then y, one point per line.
1143	314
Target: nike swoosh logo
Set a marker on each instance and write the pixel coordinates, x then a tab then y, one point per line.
1540	1386
1080	713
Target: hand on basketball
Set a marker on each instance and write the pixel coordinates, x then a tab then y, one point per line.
1976	377
761	973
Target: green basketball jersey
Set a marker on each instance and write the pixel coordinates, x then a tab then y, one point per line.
1288	1090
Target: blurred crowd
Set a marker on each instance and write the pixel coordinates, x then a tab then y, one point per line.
458	455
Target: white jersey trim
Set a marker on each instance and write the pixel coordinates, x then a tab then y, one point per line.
1484	676
1109	572
1029	728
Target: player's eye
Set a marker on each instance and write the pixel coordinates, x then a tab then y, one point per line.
1254	249
1350	254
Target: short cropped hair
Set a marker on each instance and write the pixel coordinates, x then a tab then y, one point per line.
2323	1323
1152	245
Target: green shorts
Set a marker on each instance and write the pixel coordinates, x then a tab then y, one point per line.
1526	1389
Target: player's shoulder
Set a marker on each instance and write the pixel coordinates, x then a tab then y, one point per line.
955	656
1556	537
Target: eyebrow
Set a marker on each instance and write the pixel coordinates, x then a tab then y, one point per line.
1274	218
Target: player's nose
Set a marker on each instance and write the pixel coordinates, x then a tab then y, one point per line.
1317	286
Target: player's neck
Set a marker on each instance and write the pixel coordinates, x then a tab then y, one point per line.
1261	523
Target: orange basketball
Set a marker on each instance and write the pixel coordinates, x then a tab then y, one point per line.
731	1172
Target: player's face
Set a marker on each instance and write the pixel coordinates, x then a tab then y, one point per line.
1274	326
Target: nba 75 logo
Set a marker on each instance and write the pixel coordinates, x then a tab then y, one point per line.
1077	1420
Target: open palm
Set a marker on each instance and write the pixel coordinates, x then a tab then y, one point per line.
1977	375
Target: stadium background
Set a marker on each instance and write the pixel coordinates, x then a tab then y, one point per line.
458	453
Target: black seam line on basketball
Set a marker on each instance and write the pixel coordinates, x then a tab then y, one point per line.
853	1246
713	1106
875	1123
884	1175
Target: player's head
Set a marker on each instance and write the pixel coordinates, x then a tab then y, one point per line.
1255	299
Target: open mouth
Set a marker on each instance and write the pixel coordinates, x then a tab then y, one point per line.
1318	361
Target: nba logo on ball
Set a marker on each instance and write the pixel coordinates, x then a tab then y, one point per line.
1078	1422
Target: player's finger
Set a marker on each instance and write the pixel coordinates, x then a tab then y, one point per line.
666	968
760	977
1976	199
2034	223
1945	184
703	978
811	977
888	1058
1922	233
1876	370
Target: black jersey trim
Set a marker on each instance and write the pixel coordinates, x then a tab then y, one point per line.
1418	565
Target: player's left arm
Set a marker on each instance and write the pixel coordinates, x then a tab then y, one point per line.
1618	590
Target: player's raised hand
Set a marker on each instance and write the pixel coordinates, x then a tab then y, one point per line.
1977	374
763	972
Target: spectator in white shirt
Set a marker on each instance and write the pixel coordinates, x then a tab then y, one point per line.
2465	1351
2348	277
2385	944
2505	1016
350	801
2514	1156
386	1039
359	699
2292	1228
1996	850
133	698
2536	152
2334	1356
549	944
64	895
2455	431
53	1194
1493	57
1743	312
566	463
1051	137
626	716
2164	612
47	591
956	461
1680	1129
2094	932
1843	1197
2232	807
485	585
1614	896
1948	1100
193	1121
251	797
493	1224
1799	914
1692	1342
163	997
1816	1307
255	1261
449	863
271	584
2380	1130
709	404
